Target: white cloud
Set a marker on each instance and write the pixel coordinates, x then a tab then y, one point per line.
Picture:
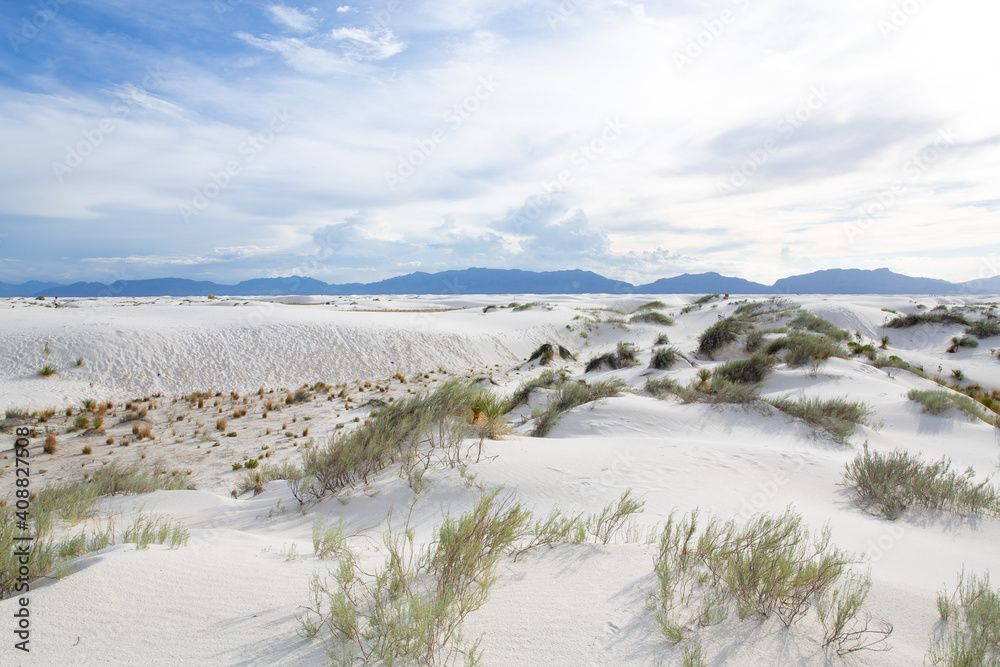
368	44
299	54
343	9
292	18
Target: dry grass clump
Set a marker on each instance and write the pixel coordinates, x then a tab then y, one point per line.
142	431
770	566
220	424
50	443
625	355
887	484
837	416
87	450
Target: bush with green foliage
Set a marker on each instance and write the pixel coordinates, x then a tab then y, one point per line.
652	317
664	358
745	371
939	401
546	380
933	317
720	334
810	322
971	619
768	566
624	356
836	416
570	395
887	484
802	348
651	305
964	341
661	339
984	328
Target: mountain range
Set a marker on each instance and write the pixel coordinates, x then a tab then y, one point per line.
515	281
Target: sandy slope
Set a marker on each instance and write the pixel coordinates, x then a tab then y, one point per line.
232	594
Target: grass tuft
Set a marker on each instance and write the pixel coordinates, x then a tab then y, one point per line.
625	355
652	317
837	416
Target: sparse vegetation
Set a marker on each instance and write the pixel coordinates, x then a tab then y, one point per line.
939	401
47	370
651	305
810	322
769	566
568	396
802	348
984	328
652	317
836	416
744	371
546	380
661	339
547	352
933	317
664	358
720	334
887	484
971	619
625	355
964	341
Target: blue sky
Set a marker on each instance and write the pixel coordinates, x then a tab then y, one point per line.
227	139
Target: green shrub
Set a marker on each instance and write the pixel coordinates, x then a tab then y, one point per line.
964	341
801	349
570	395
661	339
984	328
651	306
652	317
745	371
837	416
546	380
753	341
664	358
47	370
769	566
867	350
806	320
972	614
939	401
705	299
892	361
718	335
933	317
624	356
887	484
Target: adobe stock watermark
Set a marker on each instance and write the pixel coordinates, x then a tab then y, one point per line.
584	155
248	150
878	548
31	24
704	39
913	170
95	136
561	13
425	147
899	16
759	499
785	128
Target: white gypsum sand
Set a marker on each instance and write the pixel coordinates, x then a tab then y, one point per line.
232	595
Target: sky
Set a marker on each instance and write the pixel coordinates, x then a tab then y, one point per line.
351	142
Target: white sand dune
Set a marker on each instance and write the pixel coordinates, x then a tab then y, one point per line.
231	596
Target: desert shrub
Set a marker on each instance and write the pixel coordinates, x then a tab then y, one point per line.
867	350
837	416
570	395
661	339
50	443
887	484
745	371
769	566
651	305
972	614
488	411
526	306
964	341
220	424
892	361
718	335
546	352
392	434
664	358
47	370
753	341
142	431
87	450
802	348
411	611
705	299
939	401
546	380
933	317
652	317
725	391
301	395
661	387
612	518
984	328
806	320
625	355
330	540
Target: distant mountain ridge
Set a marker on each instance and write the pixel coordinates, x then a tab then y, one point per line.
516	281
